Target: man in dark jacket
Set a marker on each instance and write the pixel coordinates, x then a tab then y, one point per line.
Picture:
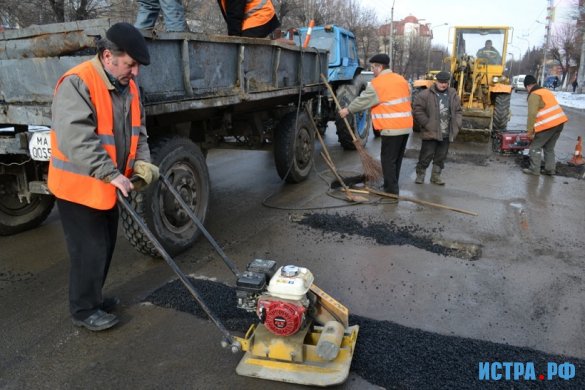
437	113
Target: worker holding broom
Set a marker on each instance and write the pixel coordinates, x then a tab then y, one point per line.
388	96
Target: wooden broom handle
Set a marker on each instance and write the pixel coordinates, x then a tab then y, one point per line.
353	137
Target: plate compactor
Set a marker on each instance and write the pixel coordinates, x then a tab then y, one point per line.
303	334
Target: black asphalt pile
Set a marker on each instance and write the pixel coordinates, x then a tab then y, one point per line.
391	355
384	233
220	299
565	170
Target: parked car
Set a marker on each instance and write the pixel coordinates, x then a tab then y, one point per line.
518	83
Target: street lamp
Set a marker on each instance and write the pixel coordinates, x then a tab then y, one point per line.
514	57
430	43
546	44
511	64
527	50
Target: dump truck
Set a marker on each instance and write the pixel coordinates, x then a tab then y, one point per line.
478	76
200	92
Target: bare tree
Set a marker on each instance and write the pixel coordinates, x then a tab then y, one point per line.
18	13
564	51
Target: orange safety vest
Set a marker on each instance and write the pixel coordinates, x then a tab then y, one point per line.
551	114
65	179
394	111
257	13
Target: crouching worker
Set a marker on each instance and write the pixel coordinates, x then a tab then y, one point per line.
98	139
437	112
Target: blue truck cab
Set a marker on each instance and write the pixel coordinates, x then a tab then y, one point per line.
344	63
344	74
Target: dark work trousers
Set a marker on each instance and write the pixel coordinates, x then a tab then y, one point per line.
432	150
90	236
392	152
544	141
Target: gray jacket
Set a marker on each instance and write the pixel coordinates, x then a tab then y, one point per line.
75	124
426	113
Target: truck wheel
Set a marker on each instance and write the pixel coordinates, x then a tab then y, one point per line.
360	122
294	144
501	111
182	162
17	216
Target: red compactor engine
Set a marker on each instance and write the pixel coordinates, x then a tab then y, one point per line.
282	306
283	309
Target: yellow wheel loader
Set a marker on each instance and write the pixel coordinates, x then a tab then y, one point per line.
477	64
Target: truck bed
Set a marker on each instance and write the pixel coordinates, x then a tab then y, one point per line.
189	72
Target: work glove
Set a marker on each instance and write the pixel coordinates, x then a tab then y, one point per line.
146	172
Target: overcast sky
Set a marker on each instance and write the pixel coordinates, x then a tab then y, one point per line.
522	15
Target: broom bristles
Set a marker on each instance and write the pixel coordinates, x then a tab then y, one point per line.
372	167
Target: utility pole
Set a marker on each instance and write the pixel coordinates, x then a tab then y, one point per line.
549	18
581	24
391	37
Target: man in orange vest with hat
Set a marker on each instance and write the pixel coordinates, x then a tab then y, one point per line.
98	140
249	18
545	123
388	96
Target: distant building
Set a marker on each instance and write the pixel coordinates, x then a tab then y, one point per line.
404	28
408	31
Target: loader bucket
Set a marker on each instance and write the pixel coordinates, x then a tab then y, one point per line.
477	125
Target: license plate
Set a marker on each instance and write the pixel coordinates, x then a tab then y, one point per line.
39	145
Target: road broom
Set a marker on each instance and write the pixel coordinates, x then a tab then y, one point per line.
372	167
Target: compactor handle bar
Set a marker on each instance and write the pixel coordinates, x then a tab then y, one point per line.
230	264
228	338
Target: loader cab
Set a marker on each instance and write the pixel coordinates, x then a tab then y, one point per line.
487	45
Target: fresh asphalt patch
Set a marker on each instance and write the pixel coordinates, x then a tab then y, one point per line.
396	357
389	233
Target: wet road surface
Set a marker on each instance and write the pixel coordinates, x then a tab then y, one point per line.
525	290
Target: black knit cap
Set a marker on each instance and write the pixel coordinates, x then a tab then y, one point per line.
380	59
443	76
529	80
130	40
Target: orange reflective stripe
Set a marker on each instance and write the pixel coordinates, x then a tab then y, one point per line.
257	13
394	111
551	114
69	181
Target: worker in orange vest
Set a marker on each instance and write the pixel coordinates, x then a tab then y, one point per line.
249	18
98	140
545	123
388	96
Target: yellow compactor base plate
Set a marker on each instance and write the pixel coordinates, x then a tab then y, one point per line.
262	347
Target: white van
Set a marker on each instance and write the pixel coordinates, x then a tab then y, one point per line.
518	83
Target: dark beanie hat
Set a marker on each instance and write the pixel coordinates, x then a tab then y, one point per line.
130	40
443	76
529	80
380	59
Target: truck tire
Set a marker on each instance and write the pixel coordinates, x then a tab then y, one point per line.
345	94
501	111
294	145
183	163
17	216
